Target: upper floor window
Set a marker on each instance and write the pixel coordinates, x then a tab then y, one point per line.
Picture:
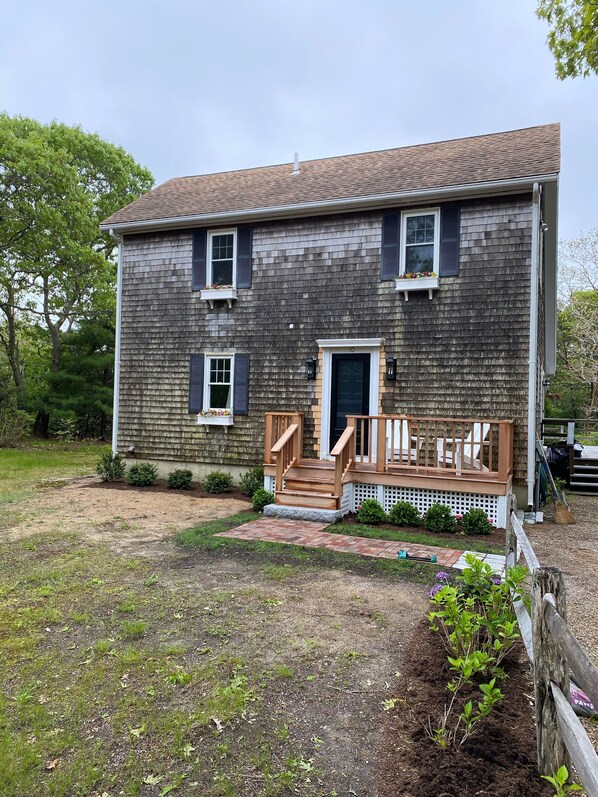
222	257
420	237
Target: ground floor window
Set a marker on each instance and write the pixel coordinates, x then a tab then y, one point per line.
218	393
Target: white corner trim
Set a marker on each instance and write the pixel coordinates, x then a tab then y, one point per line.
533	347
350	343
119	304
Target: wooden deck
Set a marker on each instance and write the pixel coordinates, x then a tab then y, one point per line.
457	455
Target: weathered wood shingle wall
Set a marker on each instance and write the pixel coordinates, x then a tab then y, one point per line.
462	354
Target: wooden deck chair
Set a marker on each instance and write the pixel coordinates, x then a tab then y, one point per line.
402	446
464	453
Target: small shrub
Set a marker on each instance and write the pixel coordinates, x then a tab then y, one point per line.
439	518
110	467
252	480
218	482
404	514
261	498
142	474
371	512
179	479
14	425
475	521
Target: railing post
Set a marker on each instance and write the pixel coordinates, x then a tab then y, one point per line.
381	446
279	470
298	436
549	665
353	444
268	442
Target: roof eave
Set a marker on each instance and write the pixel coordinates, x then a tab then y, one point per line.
469	190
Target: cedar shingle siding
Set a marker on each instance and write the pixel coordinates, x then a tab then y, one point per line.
463	354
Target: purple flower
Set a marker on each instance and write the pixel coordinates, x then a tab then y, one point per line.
442	575
433	590
497	579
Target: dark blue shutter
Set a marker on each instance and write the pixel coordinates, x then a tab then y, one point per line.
450	234
244	236
241	386
391	226
199	259
196	369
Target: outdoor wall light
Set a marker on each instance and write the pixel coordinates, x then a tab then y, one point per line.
310	368
391	369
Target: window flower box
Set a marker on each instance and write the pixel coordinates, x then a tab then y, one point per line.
219	293
215	418
423	281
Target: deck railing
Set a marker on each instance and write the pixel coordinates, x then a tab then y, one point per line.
286	452
458	445
452	447
276	424
344	457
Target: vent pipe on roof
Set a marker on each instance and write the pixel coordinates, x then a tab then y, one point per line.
296	166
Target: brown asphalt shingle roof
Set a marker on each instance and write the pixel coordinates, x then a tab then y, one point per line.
530	152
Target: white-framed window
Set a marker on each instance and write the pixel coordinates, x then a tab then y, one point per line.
222	259
218	383
420	241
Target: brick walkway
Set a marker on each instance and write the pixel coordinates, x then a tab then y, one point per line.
311	535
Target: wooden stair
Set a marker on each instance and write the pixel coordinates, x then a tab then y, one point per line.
310	484
584	478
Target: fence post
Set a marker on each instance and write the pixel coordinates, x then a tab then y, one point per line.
549	665
510	537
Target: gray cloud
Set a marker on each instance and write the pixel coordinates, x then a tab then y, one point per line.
191	87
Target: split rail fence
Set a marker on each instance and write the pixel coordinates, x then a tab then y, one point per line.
555	653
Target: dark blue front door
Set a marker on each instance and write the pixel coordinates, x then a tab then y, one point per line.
350	391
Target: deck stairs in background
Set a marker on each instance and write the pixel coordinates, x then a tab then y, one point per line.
584	478
309	484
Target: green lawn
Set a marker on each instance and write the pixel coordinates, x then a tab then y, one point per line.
216	668
22	468
459	541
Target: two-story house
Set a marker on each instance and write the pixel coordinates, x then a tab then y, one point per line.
372	325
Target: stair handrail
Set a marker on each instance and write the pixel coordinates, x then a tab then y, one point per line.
284	453
344	456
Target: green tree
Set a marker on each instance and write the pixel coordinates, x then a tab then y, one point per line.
56	267
573	36
81	390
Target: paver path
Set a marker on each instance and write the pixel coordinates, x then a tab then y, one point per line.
311	535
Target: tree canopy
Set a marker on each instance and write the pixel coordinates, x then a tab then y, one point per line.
57	268
573	36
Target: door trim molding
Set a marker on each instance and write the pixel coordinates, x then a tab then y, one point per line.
329	347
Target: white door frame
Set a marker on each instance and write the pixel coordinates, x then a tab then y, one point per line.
332	346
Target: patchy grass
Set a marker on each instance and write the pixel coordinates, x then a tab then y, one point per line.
22	468
421	538
281	557
94	703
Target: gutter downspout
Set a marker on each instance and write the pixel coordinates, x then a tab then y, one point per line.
533	346
119	282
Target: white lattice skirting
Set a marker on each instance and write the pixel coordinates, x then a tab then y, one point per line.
495	506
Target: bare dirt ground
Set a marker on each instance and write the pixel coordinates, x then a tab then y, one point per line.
123	518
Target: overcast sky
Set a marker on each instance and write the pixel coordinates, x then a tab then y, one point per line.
193	87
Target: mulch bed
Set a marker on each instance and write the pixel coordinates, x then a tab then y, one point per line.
160	486
496	539
499	760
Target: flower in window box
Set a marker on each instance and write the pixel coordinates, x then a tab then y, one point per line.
219	287
418	275
214	413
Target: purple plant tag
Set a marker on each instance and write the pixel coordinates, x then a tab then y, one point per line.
581	702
